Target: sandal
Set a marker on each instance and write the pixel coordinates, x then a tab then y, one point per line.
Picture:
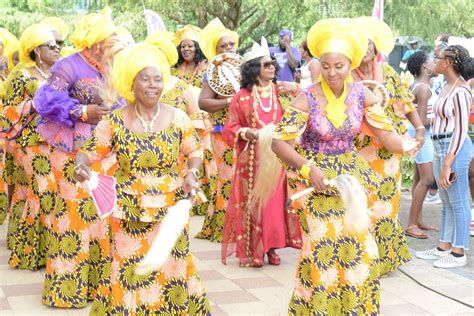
273	259
428	227
256	263
408	231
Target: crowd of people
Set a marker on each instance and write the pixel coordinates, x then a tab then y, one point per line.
153	116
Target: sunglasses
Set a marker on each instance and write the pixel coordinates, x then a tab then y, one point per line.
51	46
268	64
60	43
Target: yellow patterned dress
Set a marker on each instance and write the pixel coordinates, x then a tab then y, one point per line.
337	270
35	187
386	227
150	173
208	177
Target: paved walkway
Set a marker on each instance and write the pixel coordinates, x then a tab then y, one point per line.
267	291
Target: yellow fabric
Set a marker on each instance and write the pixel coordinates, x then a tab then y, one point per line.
12	48
92	29
67	51
133	59
189	32
339	35
336	107
124	33
211	35
164	42
32	37
6	38
378	32
57	24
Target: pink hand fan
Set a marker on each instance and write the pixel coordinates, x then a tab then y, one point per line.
102	190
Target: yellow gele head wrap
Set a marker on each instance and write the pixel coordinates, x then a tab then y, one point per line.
163	40
338	35
125	34
67	51
92	29
378	32
32	37
133	59
11	49
57	24
212	34
189	32
6	38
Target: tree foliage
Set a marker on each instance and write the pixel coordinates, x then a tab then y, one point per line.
253	18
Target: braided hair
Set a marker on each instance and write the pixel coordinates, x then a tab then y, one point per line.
462	63
415	62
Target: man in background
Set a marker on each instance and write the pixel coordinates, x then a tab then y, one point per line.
286	56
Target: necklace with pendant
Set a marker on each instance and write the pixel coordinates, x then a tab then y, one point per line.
148	126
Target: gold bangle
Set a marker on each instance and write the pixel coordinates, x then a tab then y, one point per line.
306	169
420	127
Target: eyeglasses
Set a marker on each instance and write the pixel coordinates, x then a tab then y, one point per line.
268	64
51	46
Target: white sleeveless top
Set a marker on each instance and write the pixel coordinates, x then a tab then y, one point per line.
306	74
431	100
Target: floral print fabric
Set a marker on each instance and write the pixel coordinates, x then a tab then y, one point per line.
337	270
386	227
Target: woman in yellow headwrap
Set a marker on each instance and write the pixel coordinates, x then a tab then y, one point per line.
59	28
191	64
8	55
184	97
70	104
155	144
336	273
216	39
6	39
392	245
34	187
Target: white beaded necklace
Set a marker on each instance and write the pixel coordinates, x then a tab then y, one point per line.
270	106
148	127
44	75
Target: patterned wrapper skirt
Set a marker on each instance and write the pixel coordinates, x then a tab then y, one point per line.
78	262
337	270
386	227
214	222
33	227
174	290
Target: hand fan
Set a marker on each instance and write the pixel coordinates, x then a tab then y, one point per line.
352	194
171	228
102	190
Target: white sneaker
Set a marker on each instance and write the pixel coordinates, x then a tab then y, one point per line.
432	254
450	261
432	199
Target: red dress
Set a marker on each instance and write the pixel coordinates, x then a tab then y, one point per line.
271	226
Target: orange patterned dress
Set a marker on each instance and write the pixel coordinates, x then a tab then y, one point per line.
386	227
150	173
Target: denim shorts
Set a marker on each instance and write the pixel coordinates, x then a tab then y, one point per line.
425	154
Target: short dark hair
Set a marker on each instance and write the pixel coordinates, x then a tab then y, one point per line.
197	58
305	48
462	63
32	55
415	62
250	70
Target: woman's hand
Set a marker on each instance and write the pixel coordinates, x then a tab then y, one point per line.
288	87
95	112
317	177
81	172
190	184
443	180
420	136
252	134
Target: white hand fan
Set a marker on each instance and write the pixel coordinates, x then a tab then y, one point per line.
352	194
171	228
102	190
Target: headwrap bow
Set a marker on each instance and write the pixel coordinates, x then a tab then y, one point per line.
211	35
